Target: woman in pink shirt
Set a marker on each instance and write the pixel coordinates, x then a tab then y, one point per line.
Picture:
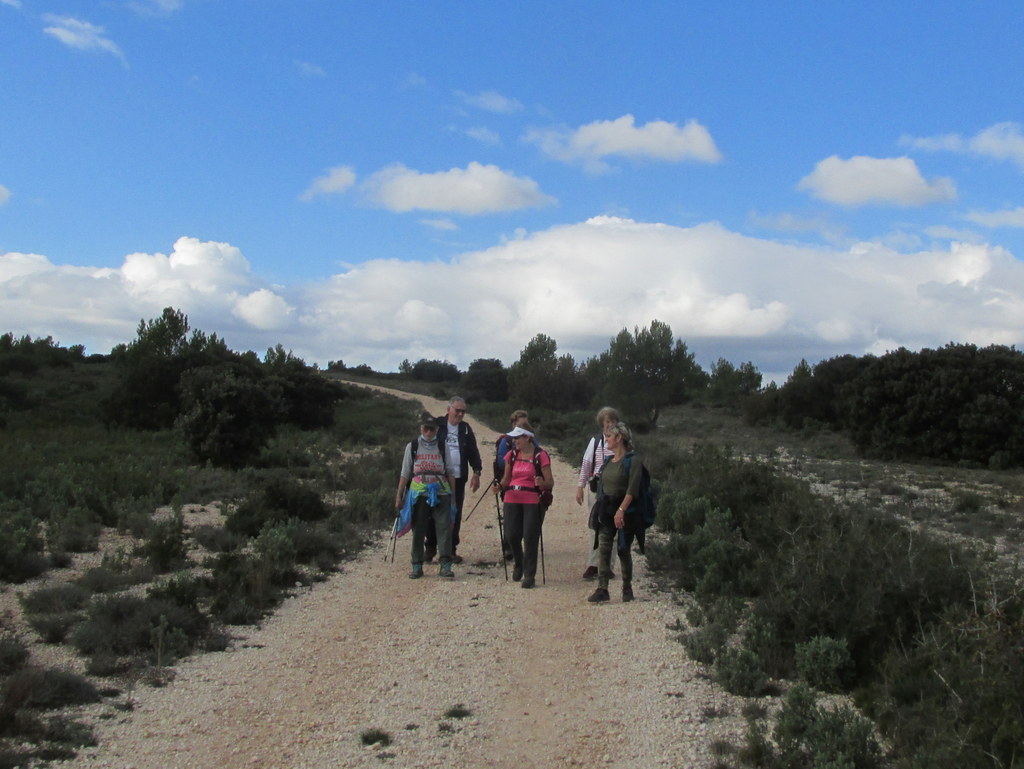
527	474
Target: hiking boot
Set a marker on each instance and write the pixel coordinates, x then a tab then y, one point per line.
417	571
627	592
590	573
599	595
517	573
456	558
528	582
446	570
508	555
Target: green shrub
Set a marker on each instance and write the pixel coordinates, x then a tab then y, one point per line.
55	598
125	625
741	672
21	546
705	643
375	737
13	653
73	530
808	735
46	689
280	499
102	579
53	628
218	539
275	555
824	663
166	546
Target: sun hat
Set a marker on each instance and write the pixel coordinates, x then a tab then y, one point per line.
426	418
516	432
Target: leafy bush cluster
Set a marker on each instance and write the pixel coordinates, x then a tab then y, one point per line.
959	403
846	599
27	735
65	475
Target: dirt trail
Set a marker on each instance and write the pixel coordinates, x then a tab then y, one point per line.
549	680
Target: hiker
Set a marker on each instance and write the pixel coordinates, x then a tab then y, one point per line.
593	459
428	505
616	491
502	446
527	475
458	439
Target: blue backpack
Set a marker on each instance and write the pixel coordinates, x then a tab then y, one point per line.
646	499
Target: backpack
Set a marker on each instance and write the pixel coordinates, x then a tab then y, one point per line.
545	497
646	499
595	471
497	455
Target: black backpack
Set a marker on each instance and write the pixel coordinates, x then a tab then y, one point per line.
545	497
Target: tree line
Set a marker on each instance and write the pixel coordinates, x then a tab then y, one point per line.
959	403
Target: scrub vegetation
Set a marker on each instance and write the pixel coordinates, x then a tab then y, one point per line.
845	545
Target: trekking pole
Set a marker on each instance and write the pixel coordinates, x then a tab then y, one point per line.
501	536
482	495
393	544
544	573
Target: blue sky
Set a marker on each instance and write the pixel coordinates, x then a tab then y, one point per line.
379	181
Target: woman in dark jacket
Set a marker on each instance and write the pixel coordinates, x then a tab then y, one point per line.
620	485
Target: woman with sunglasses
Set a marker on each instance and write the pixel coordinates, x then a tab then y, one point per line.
527	475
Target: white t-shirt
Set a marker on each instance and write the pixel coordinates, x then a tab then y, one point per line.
454	455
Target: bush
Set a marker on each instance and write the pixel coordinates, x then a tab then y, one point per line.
824	663
13	653
56	598
165	545
280	499
47	689
53	628
123	625
227	415
21	546
740	672
808	735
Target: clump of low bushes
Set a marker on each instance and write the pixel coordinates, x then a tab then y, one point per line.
925	634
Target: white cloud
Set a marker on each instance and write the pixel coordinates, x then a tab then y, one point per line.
156	7
1002	141
484	136
1009	218
491	101
307	69
440	224
657	140
476	189
727	295
865	180
81	35
12	3
337	179
5	194
263	309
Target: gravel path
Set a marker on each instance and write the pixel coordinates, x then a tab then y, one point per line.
548	679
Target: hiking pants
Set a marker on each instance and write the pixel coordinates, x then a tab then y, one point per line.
460	496
609	538
522	530
436	519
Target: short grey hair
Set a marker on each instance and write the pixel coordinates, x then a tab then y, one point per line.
607	413
620	429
